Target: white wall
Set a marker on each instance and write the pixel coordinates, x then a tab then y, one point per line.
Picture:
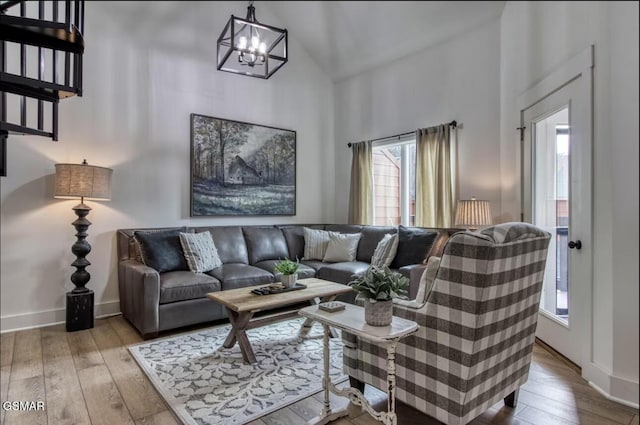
147	66
536	38
456	80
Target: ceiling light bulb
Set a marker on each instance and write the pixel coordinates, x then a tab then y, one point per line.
263	48
242	43
255	42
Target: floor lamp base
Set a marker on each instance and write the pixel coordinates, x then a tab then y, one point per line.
79	311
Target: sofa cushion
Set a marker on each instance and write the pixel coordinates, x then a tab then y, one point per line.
229	242
200	251
304	271
314	264
265	243
162	250
241	275
185	285
343	272
414	244
341	247
371	236
294	236
385	251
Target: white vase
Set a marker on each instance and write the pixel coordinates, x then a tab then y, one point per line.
289	280
378	313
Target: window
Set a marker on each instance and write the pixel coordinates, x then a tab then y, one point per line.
394	182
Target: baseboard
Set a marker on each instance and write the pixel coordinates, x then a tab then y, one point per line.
39	319
612	387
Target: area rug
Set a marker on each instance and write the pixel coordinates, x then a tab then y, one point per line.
205	384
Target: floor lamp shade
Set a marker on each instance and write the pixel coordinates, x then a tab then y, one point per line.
473	214
81	181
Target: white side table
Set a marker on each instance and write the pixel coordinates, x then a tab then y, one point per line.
351	319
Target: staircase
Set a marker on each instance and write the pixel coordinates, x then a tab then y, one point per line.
41	52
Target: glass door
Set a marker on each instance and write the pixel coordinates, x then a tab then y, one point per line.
551	205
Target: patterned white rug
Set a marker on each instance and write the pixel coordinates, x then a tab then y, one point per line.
206	384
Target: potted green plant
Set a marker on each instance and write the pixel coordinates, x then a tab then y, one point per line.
378	286
289	270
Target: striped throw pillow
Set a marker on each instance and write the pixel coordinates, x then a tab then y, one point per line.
315	243
200	251
385	251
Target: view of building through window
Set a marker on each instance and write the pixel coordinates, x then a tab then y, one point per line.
394	183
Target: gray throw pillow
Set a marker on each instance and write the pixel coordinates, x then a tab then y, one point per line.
341	247
200	251
414	244
162	250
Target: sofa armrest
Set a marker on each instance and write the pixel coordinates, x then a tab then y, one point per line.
140	296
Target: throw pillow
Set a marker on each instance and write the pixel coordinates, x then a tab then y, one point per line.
315	243
200	251
427	279
162	250
341	247
413	245
385	251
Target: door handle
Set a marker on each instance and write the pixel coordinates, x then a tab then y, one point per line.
577	244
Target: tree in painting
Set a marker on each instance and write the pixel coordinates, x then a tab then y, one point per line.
241	169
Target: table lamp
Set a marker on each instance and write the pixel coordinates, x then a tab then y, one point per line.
473	214
91	182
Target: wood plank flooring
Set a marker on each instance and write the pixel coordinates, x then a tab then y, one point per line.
89	378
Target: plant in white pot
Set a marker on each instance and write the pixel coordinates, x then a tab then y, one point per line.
289	270
378	286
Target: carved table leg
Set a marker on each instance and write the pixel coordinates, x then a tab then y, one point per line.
392	419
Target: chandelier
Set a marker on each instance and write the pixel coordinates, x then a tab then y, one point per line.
251	48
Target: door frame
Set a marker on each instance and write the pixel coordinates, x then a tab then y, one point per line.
578	67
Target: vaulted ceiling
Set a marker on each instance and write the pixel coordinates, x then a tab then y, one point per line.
348	37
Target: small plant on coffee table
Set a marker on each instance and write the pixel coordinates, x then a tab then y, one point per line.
289	270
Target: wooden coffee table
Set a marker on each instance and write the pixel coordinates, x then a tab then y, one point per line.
241	305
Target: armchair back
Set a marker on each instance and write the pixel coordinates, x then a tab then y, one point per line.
477	327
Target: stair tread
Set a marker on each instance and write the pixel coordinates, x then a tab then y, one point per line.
54	35
43	90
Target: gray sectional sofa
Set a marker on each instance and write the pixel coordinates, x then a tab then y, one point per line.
157	301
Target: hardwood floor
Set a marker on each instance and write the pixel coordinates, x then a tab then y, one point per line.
89	377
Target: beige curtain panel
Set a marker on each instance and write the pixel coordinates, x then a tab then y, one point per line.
361	191
435	177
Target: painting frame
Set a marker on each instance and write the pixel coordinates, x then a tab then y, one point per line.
240	169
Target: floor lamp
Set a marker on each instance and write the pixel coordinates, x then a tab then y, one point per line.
473	214
81	181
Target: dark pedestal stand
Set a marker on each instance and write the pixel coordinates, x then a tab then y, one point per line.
79	311
80	299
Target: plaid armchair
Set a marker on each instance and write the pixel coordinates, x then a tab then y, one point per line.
477	327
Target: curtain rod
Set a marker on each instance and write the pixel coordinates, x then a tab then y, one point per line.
453	124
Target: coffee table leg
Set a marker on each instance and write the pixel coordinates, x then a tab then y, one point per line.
306	326
239	322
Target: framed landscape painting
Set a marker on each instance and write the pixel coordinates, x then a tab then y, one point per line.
241	169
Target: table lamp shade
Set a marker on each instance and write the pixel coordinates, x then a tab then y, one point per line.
473	213
83	181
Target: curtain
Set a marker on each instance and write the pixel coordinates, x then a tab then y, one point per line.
435	177
361	191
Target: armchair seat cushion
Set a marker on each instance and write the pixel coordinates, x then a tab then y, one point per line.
342	272
241	275
184	285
